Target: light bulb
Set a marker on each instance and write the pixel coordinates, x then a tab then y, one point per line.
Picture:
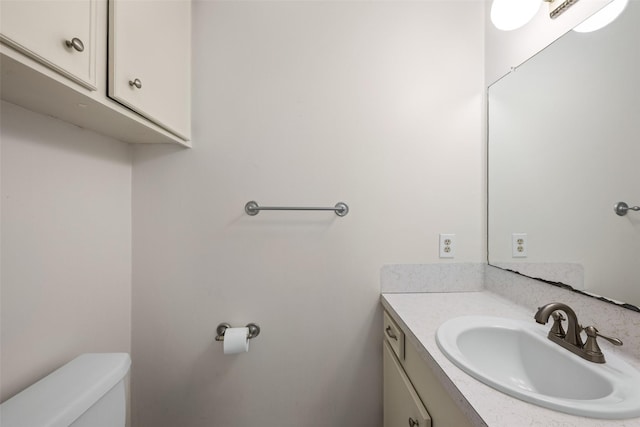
603	17
508	15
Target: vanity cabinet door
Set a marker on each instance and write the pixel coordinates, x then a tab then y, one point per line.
442	408
149	60
58	34
401	405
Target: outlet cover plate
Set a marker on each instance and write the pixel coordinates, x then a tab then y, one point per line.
447	245
519	243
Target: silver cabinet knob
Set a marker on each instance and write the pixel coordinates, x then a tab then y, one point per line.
413	423
75	43
390	333
137	83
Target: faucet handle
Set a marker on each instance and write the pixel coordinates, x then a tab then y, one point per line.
593	332
556	328
592	348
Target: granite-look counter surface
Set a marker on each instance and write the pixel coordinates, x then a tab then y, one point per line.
420	315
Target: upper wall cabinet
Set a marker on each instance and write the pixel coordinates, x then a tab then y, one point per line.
58	34
149	60
128	77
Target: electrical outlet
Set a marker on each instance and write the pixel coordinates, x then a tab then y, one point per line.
519	243
447	245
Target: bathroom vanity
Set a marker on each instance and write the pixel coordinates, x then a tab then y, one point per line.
452	397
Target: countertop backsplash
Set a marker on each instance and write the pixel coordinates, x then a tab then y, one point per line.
410	278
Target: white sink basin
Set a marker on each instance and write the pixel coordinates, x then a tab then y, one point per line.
516	357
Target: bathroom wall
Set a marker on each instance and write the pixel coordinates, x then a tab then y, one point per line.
66	245
377	104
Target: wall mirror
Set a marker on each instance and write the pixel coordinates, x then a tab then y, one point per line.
563	149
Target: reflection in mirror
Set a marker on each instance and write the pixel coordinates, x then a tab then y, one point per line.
563	149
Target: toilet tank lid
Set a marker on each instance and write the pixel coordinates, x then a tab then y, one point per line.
61	397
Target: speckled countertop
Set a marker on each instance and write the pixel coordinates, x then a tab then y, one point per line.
420	314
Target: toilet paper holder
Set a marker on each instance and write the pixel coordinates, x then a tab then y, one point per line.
254	330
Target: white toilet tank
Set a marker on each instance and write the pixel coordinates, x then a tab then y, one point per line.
89	391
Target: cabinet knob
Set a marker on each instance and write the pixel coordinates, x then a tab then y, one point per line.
413	423
137	83
390	334
75	43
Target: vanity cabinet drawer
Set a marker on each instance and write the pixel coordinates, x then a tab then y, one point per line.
401	404
394	336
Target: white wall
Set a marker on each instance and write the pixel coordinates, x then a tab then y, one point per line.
66	245
377	104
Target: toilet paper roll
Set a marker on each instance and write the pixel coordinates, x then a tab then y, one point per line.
236	340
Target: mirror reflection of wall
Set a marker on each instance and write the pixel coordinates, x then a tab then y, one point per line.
564	147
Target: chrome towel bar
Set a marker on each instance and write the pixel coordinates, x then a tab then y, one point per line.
252	208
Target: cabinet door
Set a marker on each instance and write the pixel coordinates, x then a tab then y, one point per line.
443	409
40	29
150	60
401	405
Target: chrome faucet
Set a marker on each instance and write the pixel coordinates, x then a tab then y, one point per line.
571	339
572	335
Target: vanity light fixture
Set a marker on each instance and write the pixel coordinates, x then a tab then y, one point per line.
509	15
603	17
